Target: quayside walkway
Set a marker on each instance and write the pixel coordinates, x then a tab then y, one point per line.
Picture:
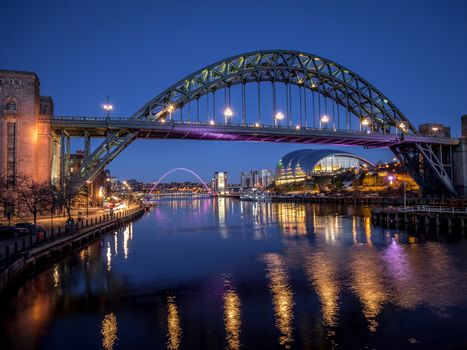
22	253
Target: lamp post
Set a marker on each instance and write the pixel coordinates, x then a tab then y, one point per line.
171	109
108	108
128	188
279	116
87	197
228	113
324	120
365	122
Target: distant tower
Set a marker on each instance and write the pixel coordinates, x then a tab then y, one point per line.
220	182
25	143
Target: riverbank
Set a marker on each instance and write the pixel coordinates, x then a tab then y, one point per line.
23	254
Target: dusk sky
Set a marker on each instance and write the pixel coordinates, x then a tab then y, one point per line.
415	52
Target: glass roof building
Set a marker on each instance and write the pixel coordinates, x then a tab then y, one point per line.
302	165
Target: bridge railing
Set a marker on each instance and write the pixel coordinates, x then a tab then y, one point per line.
213	123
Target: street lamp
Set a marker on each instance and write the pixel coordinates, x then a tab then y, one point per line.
278	116
108	107
128	188
403	126
87	197
324	120
170	109
228	113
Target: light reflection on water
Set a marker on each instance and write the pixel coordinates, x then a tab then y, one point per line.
109	331
174	329
232	315
282	297
279	259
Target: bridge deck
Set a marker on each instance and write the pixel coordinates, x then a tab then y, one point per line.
99	127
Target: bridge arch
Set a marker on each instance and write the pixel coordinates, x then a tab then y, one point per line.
309	71
180	169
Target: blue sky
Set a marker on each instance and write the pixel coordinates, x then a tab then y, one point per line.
414	51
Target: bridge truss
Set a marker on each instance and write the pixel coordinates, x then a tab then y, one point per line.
277	93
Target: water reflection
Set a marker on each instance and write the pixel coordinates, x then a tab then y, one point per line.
354	269
367	283
323	275
109	257
174	329
127	236
56	276
109	331
292	219
232	315
282	297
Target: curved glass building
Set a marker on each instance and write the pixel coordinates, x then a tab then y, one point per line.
302	165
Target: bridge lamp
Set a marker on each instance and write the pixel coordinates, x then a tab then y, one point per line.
324	119
434	129
162	120
403	126
108	108
366	122
211	122
170	109
228	113
297	127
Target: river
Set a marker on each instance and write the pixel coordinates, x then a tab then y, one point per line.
225	274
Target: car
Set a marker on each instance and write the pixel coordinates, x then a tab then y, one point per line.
8	231
27	227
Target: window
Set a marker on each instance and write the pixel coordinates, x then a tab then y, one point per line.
11	154
11	105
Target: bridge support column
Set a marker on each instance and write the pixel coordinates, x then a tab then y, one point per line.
87	143
65	149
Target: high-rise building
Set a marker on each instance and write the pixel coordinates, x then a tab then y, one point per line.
244	179
26	146
220	182
255	178
266	178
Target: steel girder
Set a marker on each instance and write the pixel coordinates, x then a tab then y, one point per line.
94	163
427	168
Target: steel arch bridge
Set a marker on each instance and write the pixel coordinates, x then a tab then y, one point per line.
155	183
311	100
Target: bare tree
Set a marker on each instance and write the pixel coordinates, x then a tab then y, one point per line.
32	197
7	196
64	196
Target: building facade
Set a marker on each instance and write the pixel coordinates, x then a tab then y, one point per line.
434	129
302	165
25	139
220	182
